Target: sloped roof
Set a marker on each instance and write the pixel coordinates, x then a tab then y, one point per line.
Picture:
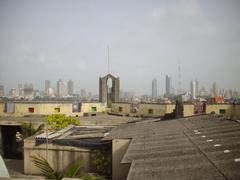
202	147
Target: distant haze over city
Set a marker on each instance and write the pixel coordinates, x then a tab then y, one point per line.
52	40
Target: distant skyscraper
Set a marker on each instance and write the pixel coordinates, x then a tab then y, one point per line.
215	89
20	90
28	91
169	88
154	89
13	93
1	90
83	93
193	88
70	87
61	88
47	86
197	87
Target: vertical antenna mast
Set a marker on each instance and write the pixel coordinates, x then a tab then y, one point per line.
179	77
108	59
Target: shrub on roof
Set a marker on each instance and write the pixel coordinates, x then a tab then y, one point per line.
59	121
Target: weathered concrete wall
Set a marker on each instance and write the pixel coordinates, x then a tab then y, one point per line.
59	157
188	110
236	111
126	108
22	109
170	108
119	148
88	107
42	109
1	108
217	107
157	109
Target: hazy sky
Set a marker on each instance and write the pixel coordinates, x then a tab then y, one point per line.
67	40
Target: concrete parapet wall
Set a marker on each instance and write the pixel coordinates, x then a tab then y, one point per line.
59	157
158	109
188	110
231	110
126	108
217	107
119	148
22	109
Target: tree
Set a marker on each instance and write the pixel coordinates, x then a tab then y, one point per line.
59	121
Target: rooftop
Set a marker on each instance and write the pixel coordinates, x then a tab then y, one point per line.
201	147
99	119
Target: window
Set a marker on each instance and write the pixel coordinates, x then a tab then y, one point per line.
222	111
120	109
94	109
31	110
57	110
150	111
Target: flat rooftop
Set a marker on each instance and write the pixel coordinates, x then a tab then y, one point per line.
99	119
202	147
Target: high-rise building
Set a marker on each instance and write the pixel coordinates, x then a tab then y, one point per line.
83	93
169	88
13	93
193	88
20	90
154	89
70	87
61	89
28	91
215	89
47	87
203	92
1	90
197	87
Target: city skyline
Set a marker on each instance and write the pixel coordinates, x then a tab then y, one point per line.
147	40
67	87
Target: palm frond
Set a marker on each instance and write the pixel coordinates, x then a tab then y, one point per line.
75	169
46	169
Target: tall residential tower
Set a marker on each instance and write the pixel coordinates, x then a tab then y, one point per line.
154	89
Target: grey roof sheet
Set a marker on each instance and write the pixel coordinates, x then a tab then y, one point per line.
202	147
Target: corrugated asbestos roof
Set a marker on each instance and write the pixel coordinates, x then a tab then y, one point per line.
202	147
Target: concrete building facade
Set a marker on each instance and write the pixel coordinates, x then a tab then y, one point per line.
47	108
193	89
61	89
215	89
70	86
1	90
154	88
108	93
169	86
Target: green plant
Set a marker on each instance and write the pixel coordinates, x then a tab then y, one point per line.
74	171
59	121
46	169
102	161
29	130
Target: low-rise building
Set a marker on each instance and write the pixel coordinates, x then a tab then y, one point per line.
47	108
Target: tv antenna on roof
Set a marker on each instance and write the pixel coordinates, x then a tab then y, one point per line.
108	59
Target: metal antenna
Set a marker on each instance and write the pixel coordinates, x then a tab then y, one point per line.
179	77
108	59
